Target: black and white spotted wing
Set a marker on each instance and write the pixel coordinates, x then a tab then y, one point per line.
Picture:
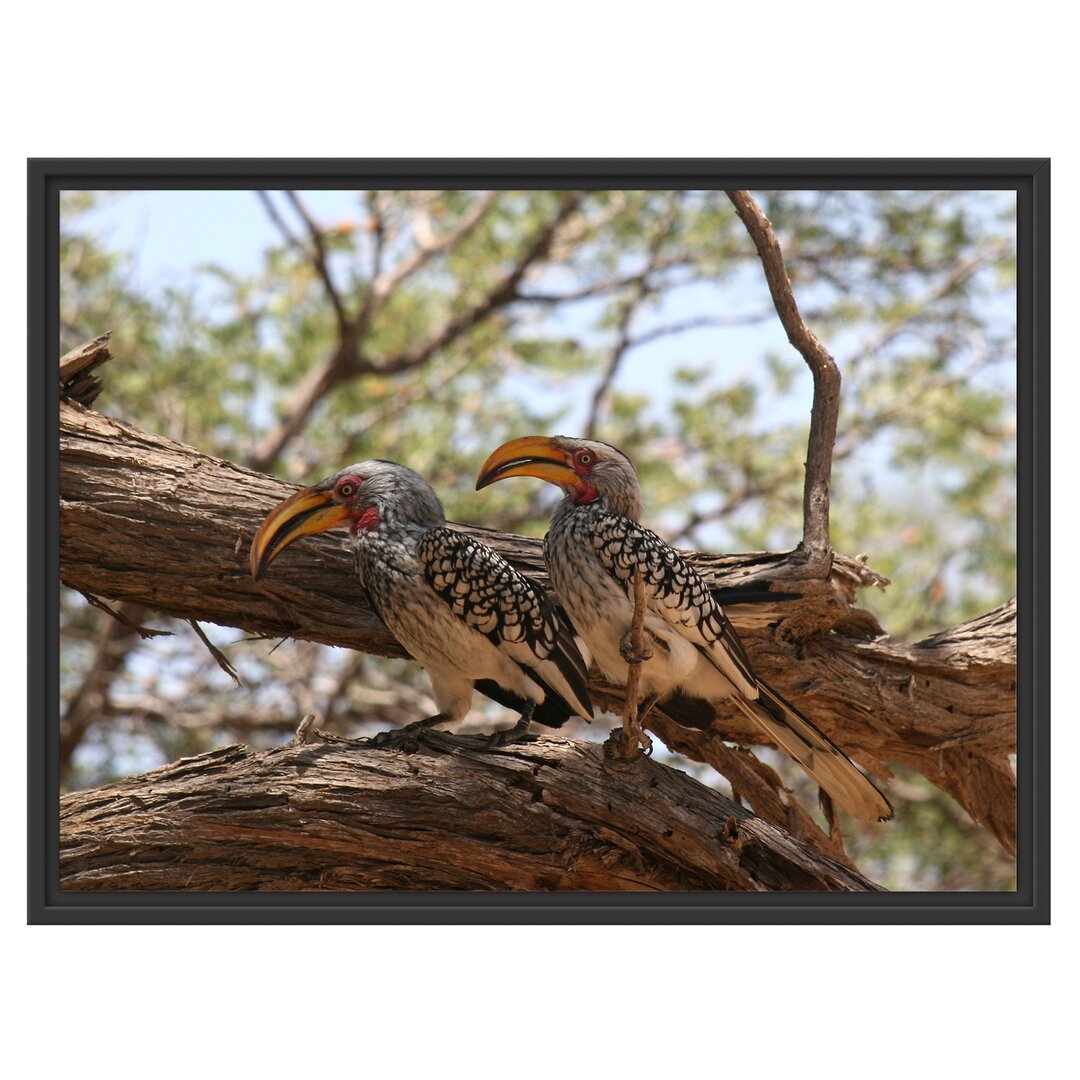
512	612
674	590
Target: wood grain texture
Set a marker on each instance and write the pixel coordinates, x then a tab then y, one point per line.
149	520
546	814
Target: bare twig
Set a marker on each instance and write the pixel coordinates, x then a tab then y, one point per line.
617	352
699	322
304	733
143	631
749	491
223	661
640	289
279	222
624	343
90	699
350	669
608	285
318	257
502	293
826	404
387	282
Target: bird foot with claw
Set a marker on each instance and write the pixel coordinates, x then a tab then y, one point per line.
630	654
503	738
628	745
408	738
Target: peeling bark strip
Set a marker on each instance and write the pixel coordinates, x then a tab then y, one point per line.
546	814
151	521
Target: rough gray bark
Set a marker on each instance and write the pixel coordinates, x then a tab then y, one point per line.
546	814
153	522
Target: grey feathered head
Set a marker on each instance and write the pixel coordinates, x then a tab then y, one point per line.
367	496
587	470
398	496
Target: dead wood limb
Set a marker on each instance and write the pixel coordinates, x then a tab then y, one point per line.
76	380
546	814
826	404
151	521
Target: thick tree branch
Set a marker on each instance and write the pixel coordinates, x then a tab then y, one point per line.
546	814
151	521
826	404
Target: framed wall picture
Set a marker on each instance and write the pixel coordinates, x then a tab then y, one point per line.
303	655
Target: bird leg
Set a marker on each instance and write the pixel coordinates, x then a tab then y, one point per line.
407	738
514	734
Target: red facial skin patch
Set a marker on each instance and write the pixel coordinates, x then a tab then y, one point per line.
367	520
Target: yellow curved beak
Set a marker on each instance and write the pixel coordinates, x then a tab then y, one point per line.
312	510
533	455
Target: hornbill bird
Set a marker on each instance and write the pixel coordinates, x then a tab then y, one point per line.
594	550
455	605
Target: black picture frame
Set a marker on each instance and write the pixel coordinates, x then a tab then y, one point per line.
1030	903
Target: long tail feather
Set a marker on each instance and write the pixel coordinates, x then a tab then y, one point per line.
817	754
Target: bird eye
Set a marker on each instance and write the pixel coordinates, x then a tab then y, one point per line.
584	457
346	490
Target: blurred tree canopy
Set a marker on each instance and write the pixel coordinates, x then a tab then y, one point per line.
434	325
